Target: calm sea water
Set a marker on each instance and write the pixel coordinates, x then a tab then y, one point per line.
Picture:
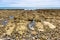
29	8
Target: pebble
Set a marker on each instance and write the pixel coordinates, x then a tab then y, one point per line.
33	32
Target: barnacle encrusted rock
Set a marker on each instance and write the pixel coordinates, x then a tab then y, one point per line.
22	26
10	27
39	26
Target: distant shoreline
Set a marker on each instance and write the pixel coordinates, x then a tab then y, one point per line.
28	8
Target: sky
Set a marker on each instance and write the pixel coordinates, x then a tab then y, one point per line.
29	3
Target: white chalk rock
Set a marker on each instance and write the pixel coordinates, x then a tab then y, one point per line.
49	24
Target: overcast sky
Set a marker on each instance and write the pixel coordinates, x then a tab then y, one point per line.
29	3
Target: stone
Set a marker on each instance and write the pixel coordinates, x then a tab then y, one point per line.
49	24
39	26
10	27
33	32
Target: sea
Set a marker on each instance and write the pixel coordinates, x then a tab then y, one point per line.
29	8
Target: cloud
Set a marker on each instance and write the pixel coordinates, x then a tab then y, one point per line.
30	3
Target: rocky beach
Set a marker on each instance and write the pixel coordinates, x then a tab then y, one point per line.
39	24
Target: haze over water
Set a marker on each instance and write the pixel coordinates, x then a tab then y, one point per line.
29	4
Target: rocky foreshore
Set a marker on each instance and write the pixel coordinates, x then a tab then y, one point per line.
30	24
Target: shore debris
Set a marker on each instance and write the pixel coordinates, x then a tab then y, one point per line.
11	17
4	22
31	25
